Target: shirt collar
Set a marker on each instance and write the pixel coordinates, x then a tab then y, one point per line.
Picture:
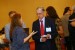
42	19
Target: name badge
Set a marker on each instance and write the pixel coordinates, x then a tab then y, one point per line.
48	29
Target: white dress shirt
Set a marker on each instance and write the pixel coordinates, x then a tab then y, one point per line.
43	19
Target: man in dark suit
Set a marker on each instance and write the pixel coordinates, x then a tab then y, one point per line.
45	37
71	27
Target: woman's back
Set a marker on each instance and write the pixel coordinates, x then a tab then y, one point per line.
18	36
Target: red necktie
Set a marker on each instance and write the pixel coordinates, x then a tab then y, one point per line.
42	28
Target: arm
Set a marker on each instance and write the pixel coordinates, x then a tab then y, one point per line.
27	38
72	20
7	32
54	31
60	31
73	23
35	37
20	36
60	28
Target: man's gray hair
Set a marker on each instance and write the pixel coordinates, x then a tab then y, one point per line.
42	8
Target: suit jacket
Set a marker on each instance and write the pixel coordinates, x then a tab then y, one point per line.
18	39
50	43
71	28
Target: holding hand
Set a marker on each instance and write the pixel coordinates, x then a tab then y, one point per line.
34	32
48	36
43	38
27	38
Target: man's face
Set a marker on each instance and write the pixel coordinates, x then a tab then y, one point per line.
40	13
70	11
11	15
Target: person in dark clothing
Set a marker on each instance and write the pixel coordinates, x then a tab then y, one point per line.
45	37
3	44
64	19
52	14
71	27
2	31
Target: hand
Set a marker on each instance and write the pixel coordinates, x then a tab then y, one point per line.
48	36
34	32
27	38
43	39
73	19
73	23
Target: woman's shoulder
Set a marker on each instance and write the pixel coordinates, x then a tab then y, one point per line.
58	20
18	28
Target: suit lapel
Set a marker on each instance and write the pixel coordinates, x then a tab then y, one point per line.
38	26
47	24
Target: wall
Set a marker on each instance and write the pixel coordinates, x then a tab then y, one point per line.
27	8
